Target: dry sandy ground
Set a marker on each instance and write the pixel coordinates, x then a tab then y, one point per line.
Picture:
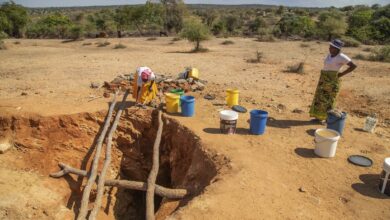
268	170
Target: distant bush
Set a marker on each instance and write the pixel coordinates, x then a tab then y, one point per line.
176	39
360	57
367	49
151	39
119	46
17	42
350	42
298	68
103	44
382	54
227	42
2	45
76	32
258	58
304	45
266	38
87	44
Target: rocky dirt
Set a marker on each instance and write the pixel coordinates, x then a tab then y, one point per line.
274	176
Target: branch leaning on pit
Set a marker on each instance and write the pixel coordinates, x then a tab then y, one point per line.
91	179
154	171
134	185
107	161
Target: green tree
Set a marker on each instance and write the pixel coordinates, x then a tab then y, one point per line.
359	24
256	24
231	23
195	31
55	25
332	24
17	19
381	24
291	24
76	32
218	27
174	12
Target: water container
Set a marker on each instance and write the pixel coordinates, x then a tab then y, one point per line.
232	97
326	142
228	121
336	121
194	73
187	106
179	92
258	121
172	102
370	124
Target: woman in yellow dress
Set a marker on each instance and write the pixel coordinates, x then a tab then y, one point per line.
144	88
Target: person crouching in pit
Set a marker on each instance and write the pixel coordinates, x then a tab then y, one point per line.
144	88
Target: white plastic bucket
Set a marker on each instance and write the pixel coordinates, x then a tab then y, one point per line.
228	121
326	142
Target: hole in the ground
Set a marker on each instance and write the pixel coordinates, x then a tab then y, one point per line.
184	162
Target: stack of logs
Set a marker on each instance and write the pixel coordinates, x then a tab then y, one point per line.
150	187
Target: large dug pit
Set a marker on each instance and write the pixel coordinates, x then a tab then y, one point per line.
42	142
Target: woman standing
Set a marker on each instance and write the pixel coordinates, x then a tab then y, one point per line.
329	84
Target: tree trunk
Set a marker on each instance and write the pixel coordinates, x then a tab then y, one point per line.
197	46
119	33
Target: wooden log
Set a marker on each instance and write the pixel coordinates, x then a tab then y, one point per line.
153	172
92	177
107	161
66	169
134	185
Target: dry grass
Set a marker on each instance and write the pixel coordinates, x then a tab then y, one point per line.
103	44
298	68
258	58
303	45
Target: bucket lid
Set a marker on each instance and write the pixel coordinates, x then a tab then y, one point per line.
228	115
360	160
239	108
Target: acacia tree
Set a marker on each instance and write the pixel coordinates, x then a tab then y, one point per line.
195	31
173	14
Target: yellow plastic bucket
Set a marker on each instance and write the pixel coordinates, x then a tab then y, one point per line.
232	97
172	102
194	73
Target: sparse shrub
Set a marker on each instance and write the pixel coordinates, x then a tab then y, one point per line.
103	44
350	42
227	42
87	44
195	31
17	42
176	39
76	32
151	39
2	45
259	57
381	54
360	57
298	68
119	46
367	49
266	38
304	45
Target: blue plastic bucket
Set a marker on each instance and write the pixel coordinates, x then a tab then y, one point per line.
187	105
258	121
336	123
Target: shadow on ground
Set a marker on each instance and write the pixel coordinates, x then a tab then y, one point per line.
370	186
272	122
306	152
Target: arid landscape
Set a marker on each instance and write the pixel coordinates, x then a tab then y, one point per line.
49	114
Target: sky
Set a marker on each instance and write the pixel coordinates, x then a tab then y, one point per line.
303	3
